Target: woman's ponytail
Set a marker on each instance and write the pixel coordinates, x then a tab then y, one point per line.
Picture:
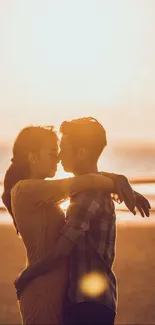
13	175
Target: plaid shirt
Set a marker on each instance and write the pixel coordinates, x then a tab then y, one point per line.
91	225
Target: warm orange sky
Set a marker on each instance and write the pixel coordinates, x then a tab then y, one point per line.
62	59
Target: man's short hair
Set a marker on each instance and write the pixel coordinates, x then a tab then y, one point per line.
85	132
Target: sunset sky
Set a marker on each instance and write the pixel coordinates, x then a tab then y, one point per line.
61	59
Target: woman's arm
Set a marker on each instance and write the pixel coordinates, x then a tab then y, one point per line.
58	190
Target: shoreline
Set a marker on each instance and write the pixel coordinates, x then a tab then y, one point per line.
134	268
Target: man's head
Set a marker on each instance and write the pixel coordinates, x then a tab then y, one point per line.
82	142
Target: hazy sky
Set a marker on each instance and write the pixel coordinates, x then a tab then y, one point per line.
65	58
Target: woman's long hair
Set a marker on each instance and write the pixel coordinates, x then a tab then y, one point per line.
13	175
30	139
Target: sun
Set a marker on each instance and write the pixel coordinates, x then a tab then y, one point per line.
61	174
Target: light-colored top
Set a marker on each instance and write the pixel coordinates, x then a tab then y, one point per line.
39	221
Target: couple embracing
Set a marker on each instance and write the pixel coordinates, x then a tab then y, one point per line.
63	249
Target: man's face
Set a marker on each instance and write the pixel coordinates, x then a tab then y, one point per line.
67	155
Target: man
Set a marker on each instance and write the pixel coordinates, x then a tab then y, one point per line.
82	142
89	234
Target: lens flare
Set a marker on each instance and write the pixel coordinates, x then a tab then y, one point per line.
93	284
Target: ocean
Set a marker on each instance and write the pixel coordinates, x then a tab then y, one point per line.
134	161
122	214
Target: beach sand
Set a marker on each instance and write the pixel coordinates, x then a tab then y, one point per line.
134	267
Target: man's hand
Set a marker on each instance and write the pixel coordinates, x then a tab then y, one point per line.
62	249
142	204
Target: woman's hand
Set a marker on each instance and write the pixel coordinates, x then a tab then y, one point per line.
125	192
142	204
132	199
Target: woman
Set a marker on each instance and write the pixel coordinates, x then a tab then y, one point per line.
38	218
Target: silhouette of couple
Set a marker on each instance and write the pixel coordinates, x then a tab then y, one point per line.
63	250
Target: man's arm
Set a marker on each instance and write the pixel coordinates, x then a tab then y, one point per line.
83	210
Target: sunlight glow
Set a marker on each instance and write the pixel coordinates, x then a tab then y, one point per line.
63	59
60	174
93	284
64	205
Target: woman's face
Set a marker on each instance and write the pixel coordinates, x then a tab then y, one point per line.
44	164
